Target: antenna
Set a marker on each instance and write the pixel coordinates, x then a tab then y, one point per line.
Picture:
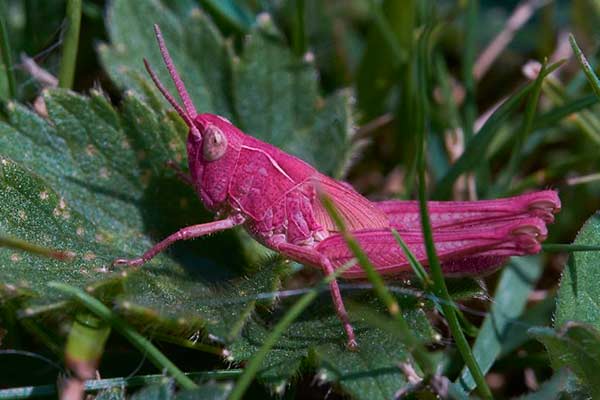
189	113
187	102
167	95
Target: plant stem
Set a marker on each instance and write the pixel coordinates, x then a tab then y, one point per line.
568	248
387	32
435	268
103	384
416	266
470	48
585	65
66	74
6	53
299	34
143	344
19	244
442	291
510	170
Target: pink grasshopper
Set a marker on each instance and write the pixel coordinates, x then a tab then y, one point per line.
274	196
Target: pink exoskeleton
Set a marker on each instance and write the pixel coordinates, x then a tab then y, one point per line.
273	195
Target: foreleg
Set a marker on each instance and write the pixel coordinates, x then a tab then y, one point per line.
311	256
186	233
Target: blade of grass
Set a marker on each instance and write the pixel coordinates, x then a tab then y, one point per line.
233	13
103	384
585	120
585	65
388	33
568	248
479	143
190	344
6	53
255	362
517	281
555	115
427	283
298	33
449	102
416	266
540	314
511	167
19	244
468	60
66	73
143	344
551	173
435	268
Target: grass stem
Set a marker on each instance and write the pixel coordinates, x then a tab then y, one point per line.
439	284
6	52
66	73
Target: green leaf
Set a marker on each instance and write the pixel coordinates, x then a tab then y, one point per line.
389	44
233	12
266	91
113	393
585	65
518	280
579	286
577	319
477	145
199	52
208	391
96	193
317	340
158	391
272	84
165	390
553	388
575	346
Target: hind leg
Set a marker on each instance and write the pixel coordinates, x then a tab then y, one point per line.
311	256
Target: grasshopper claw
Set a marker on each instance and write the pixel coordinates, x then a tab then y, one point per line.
352	345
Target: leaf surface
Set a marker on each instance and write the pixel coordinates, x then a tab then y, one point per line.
98	192
577	347
316	340
265	90
579	293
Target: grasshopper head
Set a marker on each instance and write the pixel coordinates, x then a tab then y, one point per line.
213	142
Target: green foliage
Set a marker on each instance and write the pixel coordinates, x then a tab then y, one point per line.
553	388
88	181
579	286
166	391
371	372
575	346
517	282
575	341
83	181
90	196
265	91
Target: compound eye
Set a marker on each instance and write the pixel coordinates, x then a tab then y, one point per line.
215	143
